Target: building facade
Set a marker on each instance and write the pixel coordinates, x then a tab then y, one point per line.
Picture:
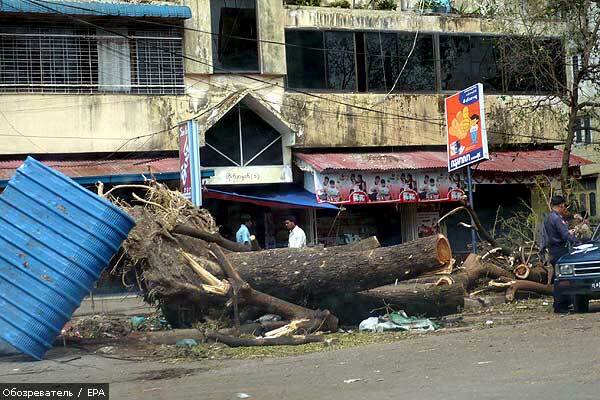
275	90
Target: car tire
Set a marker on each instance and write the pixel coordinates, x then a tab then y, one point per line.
561	304
581	304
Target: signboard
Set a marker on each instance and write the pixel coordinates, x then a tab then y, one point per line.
427	223
388	187
189	162
250	175
465	123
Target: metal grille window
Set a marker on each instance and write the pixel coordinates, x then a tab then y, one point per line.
58	59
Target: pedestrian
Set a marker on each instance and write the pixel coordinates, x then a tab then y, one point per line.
243	234
558	239
297	237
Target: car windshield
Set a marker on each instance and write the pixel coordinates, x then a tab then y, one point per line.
596	236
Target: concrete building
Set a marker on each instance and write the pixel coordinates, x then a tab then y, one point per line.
282	96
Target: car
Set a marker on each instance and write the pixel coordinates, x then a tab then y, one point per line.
577	275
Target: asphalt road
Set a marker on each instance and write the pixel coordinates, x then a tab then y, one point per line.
549	358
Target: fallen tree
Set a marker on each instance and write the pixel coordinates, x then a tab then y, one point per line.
417	299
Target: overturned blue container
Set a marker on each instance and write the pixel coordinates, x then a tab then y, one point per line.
56	237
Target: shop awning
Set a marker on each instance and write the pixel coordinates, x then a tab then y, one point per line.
95	8
112	171
279	196
419	176
531	161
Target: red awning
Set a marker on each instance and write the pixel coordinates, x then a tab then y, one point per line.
531	161
117	169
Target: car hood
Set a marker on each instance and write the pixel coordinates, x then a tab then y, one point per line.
583	253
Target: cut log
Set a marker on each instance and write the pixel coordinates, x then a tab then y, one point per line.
473	270
527	286
427	300
537	274
361	245
278	341
295	274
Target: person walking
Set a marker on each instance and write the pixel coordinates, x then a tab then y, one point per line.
243	234
297	237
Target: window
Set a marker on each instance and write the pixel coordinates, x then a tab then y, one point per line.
76	59
235	47
576	65
467	60
534	67
241	138
583	131
387	54
372	61
592	204
341	71
305	59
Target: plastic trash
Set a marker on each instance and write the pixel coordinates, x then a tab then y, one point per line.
186	343
396	321
137	321
268	318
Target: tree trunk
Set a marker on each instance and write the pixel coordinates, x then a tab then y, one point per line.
527	286
537	274
364	244
296	274
278	341
428	300
473	270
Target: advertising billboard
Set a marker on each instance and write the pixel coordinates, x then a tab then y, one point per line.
466	129
189	162
384	187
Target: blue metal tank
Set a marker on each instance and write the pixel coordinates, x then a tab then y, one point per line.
56	237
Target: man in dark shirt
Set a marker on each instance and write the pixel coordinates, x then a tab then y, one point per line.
557	230
558	240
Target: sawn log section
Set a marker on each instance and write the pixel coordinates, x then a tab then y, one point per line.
293	274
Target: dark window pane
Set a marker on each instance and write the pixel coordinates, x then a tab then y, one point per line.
582	202
223	137
341	71
419	73
235	48
305	64
361	63
470	60
485	67
533	66
592	204
256	136
456	62
382	60
588	130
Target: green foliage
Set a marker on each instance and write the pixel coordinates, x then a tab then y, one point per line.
340	4
308	3
385	4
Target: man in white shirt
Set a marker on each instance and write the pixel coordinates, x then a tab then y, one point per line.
297	236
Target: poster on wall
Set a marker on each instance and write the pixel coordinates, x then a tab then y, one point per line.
427	223
392	186
465	123
189	162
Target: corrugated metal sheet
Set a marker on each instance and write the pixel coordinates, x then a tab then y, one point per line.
55	239
95	8
528	161
375	161
508	162
95	168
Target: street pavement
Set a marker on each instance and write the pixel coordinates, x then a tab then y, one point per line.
549	358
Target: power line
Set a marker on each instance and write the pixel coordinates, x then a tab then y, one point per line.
243	75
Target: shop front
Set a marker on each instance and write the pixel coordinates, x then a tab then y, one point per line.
400	196
395	196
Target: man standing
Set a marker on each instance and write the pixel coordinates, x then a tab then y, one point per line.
559	237
297	236
557	241
243	234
